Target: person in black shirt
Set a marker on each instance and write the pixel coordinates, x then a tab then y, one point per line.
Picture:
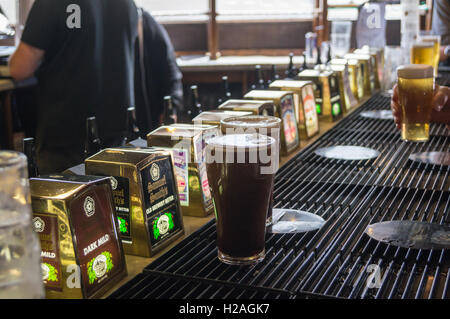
82	53
156	75
441	26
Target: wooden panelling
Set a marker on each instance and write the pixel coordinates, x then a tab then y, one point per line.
268	35
188	36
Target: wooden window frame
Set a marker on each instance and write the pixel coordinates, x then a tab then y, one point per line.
319	19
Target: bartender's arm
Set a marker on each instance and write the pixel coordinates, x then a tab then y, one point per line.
25	61
38	34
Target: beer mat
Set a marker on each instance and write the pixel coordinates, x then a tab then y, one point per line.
347	152
387	93
76	170
293	221
379	115
138	143
411	234
435	158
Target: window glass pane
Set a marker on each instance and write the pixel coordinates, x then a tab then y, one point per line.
343	14
393	11
9	8
174	7
265	8
345	2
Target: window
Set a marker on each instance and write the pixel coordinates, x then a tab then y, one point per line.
228	10
176	10
9	8
264	9
348	9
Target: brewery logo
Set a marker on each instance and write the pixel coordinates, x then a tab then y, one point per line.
336	109
114	183
163	224
62	228
38	225
89	206
99	266
154	172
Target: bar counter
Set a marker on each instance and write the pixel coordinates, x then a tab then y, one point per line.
339	259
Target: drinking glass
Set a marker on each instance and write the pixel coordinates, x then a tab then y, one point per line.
415	95
393	58
422	52
20	252
241	191
436	40
265	125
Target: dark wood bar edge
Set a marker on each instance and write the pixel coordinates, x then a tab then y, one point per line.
136	264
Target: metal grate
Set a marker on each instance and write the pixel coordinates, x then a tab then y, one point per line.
391	168
155	285
339	260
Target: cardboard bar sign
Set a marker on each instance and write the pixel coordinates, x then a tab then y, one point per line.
371	26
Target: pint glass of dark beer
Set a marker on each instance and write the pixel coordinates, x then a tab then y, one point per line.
265	125
415	95
241	190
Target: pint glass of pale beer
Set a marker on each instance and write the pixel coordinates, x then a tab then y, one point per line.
422	52
415	93
436	40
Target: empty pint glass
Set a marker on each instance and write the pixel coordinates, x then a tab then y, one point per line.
241	189
415	95
265	125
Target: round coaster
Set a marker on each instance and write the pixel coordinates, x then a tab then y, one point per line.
379	115
411	234
435	158
348	153
293	221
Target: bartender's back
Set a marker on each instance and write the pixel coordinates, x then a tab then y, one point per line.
87	70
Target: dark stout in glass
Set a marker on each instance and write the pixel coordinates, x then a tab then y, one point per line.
241	191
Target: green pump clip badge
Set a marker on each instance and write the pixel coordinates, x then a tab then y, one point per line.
336	109
97	267
163	225
319	109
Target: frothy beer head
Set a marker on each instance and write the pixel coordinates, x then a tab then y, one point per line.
243	149
415	71
249	122
422	44
241	142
